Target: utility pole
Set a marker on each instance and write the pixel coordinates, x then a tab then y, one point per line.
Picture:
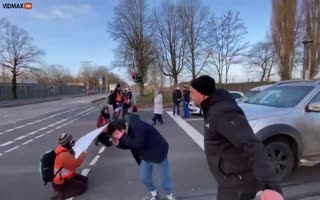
305	70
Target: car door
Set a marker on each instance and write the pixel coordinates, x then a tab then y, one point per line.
311	129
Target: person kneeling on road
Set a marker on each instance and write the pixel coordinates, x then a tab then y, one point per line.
149	149
103	119
67	183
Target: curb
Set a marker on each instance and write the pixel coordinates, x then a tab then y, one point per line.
29	103
96	100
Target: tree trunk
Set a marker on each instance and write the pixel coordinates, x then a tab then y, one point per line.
263	74
220	78
141	88
14	84
175	79
227	72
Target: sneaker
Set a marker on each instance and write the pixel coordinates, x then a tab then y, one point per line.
171	197
155	195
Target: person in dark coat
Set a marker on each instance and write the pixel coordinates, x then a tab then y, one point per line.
235	156
148	147
176	99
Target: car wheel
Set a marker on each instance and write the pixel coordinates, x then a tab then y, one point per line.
282	157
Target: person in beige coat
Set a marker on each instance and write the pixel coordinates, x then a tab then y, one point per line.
158	108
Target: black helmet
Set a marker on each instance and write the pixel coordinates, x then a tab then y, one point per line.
118	85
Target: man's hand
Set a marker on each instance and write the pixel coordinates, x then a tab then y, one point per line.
117	134
271	195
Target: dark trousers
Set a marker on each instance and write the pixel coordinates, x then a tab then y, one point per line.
157	117
176	106
228	194
71	188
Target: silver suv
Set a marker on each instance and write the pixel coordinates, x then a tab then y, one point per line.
286	118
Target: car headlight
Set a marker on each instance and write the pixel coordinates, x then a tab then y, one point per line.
253	122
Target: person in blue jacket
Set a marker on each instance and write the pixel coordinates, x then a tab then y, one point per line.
148	147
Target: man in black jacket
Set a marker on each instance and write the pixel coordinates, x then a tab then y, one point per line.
149	149
176	99
235	156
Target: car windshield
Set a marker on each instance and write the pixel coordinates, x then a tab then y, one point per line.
280	96
248	95
235	95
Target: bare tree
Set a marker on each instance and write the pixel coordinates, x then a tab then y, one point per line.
226	38
131	26
170	40
195	17
18	52
285	28
261	59
58	74
311	9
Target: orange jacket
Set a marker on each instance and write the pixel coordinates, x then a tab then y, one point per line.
119	96
68	163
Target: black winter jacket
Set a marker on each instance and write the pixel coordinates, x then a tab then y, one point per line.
235	155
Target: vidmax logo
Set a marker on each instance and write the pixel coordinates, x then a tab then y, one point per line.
26	6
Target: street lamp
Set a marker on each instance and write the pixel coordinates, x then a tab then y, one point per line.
305	71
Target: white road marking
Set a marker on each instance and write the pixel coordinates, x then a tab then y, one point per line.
52	125
39	136
94	161
50	131
27	142
102	149
20	126
194	119
1	154
9	130
12	149
40	120
21	137
6	143
1	133
85	172
34	132
29	123
58	127
192	132
41	129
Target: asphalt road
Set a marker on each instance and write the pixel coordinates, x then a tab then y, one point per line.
113	173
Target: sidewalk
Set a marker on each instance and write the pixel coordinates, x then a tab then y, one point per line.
22	102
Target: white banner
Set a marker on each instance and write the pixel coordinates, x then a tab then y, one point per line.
84	142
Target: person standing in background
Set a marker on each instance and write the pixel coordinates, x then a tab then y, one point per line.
176	99
158	108
186	100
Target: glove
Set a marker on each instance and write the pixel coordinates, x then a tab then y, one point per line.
271	195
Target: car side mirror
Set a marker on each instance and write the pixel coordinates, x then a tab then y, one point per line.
314	107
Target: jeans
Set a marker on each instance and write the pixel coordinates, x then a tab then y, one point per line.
161	170
186	109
